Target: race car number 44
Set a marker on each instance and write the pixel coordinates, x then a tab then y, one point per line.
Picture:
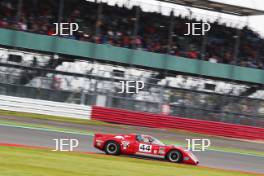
145	148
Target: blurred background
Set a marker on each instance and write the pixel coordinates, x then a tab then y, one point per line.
218	76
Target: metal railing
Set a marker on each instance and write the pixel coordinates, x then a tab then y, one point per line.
103	91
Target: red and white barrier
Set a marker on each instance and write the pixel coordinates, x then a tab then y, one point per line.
130	117
163	121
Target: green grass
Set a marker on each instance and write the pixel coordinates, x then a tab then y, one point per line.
82	121
36	162
55	118
45	127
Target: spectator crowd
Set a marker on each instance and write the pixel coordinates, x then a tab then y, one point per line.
119	26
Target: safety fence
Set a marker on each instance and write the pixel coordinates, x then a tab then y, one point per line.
162	121
44	107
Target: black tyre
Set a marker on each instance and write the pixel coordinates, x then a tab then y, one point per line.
112	148
174	156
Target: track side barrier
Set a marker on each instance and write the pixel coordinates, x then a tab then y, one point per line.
28	105
163	121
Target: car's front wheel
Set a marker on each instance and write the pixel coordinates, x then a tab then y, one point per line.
112	148
174	156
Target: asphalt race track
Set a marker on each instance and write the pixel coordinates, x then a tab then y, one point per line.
34	137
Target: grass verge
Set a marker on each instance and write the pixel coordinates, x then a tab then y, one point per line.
37	162
83	121
55	118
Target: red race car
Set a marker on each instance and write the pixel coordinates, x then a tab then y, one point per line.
142	145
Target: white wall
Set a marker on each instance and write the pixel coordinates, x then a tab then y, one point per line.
44	107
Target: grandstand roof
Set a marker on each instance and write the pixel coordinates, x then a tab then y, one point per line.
217	6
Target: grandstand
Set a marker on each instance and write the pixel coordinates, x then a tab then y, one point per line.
62	77
149	33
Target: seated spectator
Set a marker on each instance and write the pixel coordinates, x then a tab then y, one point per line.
115	26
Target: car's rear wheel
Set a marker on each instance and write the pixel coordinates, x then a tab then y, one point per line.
112	148
174	156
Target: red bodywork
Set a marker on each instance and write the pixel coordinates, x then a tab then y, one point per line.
130	145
